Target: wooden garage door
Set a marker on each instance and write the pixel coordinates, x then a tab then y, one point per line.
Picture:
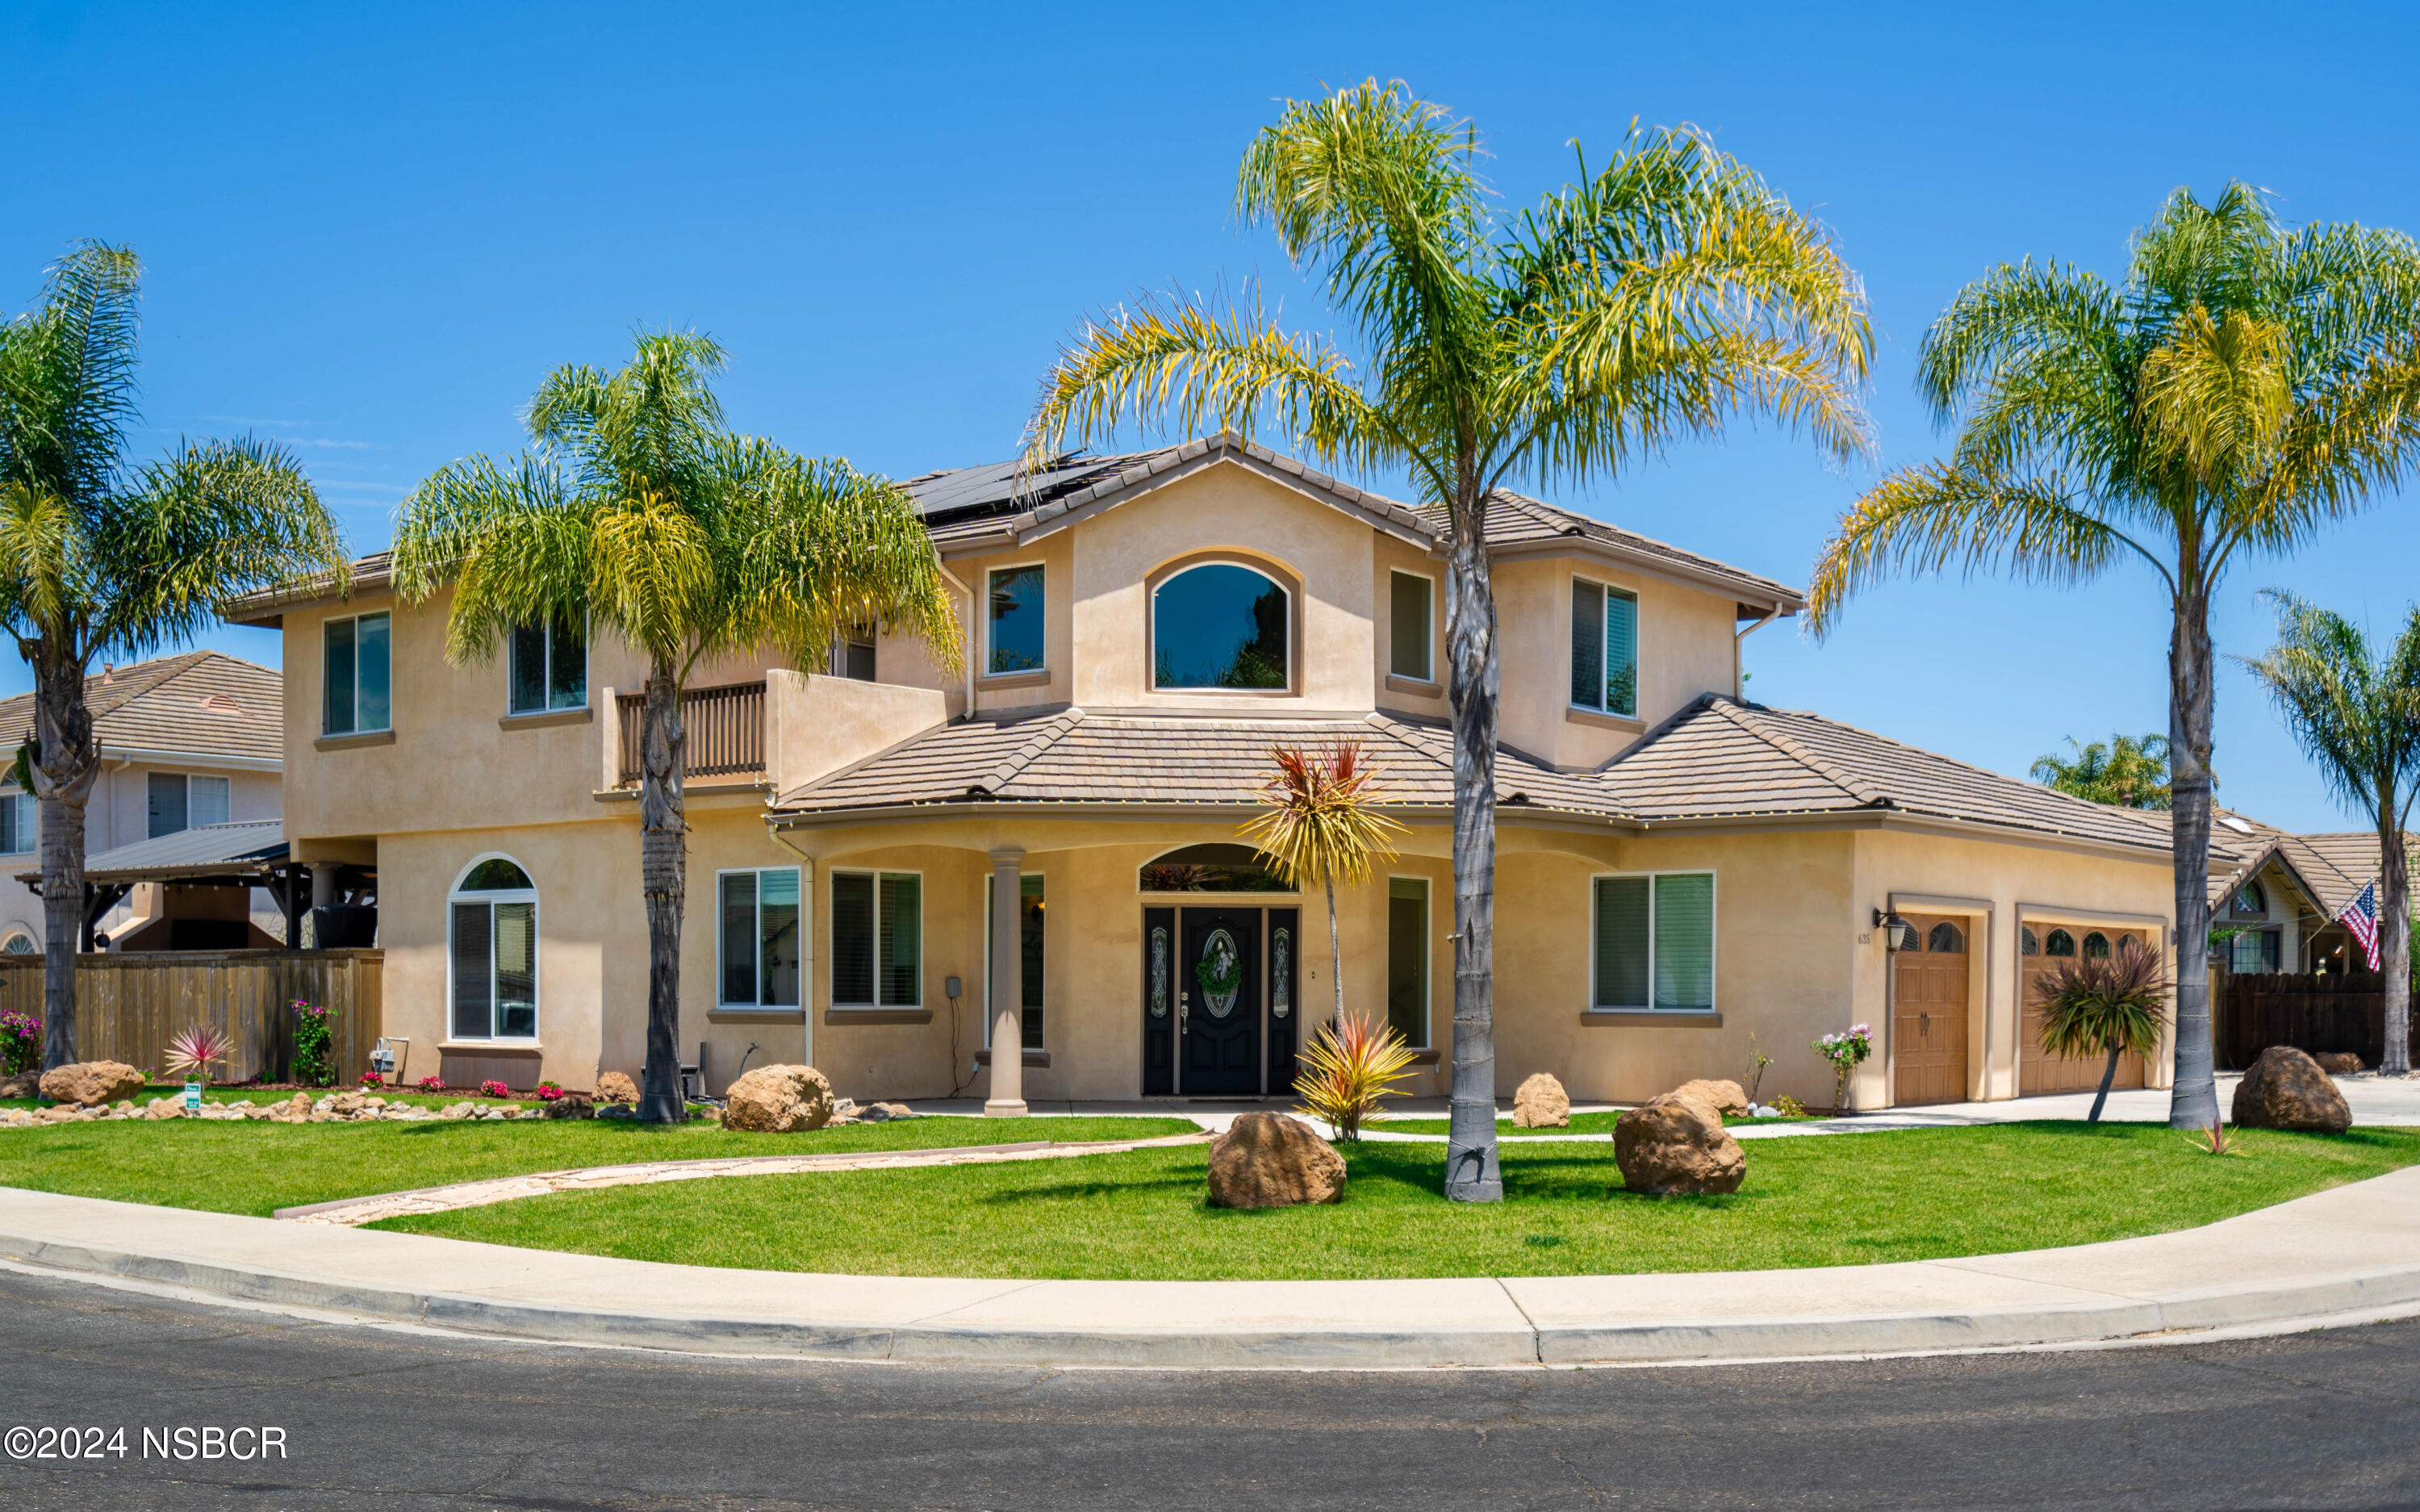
2042	948
1929	1013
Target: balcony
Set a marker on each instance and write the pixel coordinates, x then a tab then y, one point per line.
726	727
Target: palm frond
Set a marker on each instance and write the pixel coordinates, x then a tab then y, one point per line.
66	376
2354	713
45	565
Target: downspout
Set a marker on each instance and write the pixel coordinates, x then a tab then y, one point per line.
969	658
1739	636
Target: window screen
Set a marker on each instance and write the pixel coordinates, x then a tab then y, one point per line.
902	925
473	986
1655	942
1621	942
1588	645
852	938
206	800
1408	958
1684	940
167	803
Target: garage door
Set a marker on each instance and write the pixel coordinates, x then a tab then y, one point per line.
1929	1013
2042	948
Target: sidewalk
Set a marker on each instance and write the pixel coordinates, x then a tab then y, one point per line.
2353	1249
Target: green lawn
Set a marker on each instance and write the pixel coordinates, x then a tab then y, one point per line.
263	1097
256	1168
1582	1123
1824	1200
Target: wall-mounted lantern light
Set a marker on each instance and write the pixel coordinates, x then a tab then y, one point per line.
1897	934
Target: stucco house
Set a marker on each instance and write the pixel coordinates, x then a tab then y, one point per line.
186	741
879	850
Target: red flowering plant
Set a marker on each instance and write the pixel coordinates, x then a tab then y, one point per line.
432	1083
372	1081
549	1093
494	1088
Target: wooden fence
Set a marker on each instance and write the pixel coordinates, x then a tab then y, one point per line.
2258	1009
724	728
127	1005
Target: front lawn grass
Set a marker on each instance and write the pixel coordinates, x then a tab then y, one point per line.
1582	1123
256	1168
1841	1199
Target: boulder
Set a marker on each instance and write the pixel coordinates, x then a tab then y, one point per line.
459	1110
779	1100
166	1107
1269	1160
88	1084
344	1104
2338	1062
24	1084
572	1106
1675	1145
1723	1097
2287	1090
1542	1104
613	1086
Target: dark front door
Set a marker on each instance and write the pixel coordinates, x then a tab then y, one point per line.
1218	1002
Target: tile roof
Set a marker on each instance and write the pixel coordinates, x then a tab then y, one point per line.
1070	755
203	703
1517	520
371	574
2331	869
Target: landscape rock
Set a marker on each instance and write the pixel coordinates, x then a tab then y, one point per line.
88	1084
166	1107
60	1113
1542	1104
457	1110
885	1112
24	1084
2338	1062
572	1106
1722	1097
779	1100
1675	1145
613	1086
1269	1160
2287	1090
347	1104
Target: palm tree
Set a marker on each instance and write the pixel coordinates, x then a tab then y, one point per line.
2358	716
1323	825
2112	1004
638	515
2131	772
1652	300
2243	386
98	556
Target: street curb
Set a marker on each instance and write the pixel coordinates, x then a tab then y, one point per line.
1349	1346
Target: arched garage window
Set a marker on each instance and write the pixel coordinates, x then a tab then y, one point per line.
1220	625
492	948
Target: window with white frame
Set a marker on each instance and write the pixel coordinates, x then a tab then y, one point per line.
1654	943
355	662
1029	958
177	802
1014	629
1411	626
491	952
548	668
17	823
878	928
761	937
1605	649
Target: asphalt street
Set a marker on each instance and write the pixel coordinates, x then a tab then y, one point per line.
2322	1419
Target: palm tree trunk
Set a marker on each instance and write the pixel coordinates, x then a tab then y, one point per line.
664	870
2108	1074
1471	1172
2192	1102
63	776
2395	935
1335	954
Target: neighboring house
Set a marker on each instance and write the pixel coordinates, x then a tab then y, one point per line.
187	740
2279	899
1678	869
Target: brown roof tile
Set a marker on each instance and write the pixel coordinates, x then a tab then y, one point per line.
200	702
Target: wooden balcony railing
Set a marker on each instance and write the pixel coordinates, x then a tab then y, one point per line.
726	728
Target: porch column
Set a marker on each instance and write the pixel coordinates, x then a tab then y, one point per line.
1007	1099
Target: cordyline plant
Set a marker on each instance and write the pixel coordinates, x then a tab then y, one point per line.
1652	300
1323	825
2243	386
2114	1005
193	1051
637	515
1350	1065
100	557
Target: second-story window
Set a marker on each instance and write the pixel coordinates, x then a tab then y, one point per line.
1605	649
178	803
1014	612
18	825
1409	630
549	669
852	655
356	676
1220	625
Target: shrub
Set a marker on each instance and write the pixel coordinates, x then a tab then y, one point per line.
432	1083
1348	1068
314	1045
372	1081
1789	1106
1846	1052
2116	1004
20	1042
549	1093
494	1088
192	1050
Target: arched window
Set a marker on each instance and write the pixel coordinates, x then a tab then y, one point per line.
1946	939
491	950
2250	902
2096	945
2060	943
21	943
1215	868
1220	625
2028	943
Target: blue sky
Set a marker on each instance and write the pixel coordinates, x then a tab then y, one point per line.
369	232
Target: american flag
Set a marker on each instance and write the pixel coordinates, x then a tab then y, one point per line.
2361	916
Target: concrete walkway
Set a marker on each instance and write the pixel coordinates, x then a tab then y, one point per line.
2354	1249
